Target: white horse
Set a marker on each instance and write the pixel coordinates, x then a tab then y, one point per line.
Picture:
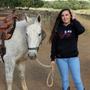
26	39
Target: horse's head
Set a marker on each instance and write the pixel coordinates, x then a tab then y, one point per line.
34	36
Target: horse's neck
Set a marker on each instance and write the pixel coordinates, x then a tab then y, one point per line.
21	23
20	28
19	31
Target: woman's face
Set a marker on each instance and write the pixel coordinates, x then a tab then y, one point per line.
66	17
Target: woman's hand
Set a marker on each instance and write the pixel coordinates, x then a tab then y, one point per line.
73	15
53	66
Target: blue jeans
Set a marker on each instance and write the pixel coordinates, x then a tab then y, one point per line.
72	64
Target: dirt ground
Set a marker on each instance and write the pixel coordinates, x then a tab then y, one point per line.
36	75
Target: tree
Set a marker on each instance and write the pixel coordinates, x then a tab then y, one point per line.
32	3
18	3
10	3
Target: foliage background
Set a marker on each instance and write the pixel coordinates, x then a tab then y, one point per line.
59	4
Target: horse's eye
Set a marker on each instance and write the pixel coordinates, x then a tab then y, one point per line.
39	34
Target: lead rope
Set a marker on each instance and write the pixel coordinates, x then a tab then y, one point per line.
50	75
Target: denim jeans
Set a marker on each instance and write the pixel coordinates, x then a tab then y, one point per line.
73	65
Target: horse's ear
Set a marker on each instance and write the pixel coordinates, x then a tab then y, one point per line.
26	17
39	18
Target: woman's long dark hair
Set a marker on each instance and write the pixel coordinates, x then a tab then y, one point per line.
58	22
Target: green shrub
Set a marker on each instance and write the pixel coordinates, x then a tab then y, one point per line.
73	4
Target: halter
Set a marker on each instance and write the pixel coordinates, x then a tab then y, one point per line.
34	48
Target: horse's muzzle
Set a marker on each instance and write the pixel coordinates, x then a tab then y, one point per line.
32	56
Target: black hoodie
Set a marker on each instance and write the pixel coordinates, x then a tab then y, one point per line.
64	44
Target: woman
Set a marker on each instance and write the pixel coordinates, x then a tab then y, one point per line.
64	51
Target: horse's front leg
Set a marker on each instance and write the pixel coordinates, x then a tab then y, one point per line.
21	67
9	69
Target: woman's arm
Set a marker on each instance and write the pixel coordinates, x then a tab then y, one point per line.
78	27
53	47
